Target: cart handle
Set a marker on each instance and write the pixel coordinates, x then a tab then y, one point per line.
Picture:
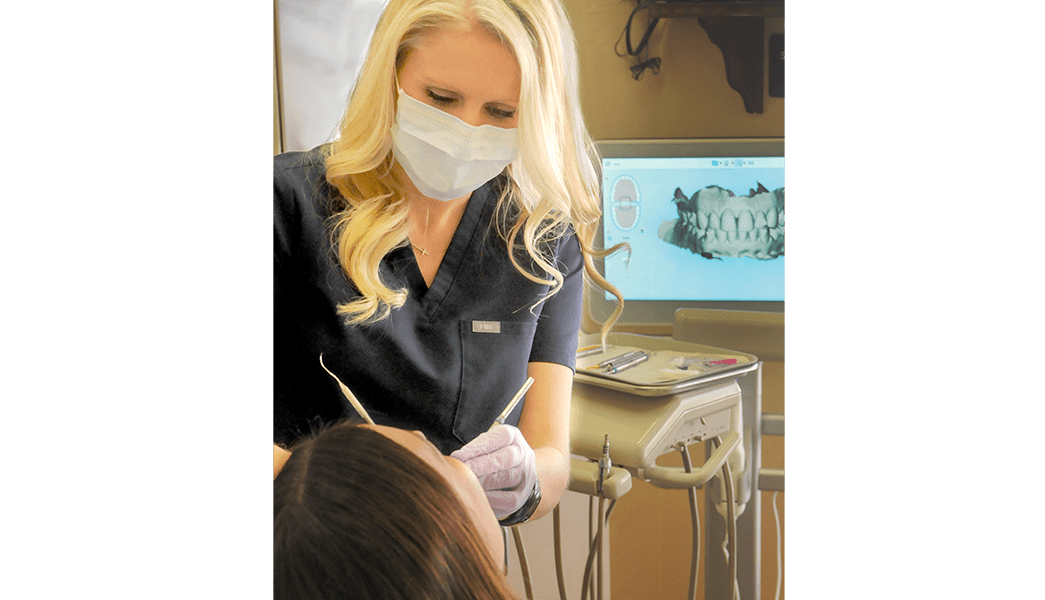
676	478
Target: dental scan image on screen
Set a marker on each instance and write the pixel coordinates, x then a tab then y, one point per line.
699	228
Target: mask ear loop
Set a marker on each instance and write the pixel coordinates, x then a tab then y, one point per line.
399	88
399	94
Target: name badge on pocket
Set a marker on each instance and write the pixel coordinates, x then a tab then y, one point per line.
486	327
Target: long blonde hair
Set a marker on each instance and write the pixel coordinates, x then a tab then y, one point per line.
552	184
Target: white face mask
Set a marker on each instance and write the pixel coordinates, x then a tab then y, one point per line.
445	157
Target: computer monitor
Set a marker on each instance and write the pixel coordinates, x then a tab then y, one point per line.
705	222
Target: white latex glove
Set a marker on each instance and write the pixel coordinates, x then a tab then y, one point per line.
505	465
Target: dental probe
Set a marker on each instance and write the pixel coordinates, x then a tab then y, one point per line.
511	405
348	394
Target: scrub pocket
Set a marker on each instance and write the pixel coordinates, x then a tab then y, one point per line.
494	357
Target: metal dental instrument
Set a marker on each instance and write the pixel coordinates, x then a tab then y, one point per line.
616	359
589	350
631	362
511	405
348	394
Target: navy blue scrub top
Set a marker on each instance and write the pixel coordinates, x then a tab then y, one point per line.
448	360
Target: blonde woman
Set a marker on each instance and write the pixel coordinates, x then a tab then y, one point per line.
435	253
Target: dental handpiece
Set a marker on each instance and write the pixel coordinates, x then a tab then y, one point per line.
589	350
627	364
511	405
616	359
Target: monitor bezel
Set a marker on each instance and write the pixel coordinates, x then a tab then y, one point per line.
656	317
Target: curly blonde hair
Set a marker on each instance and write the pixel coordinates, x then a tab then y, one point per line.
554	182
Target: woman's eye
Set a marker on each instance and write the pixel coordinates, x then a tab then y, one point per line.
501	113
439	99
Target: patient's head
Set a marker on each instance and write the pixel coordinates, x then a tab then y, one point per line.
378	512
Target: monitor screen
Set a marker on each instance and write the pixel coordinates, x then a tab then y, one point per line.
705	222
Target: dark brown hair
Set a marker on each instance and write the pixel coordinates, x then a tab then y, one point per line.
356	515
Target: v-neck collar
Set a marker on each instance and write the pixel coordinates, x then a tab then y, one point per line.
431	297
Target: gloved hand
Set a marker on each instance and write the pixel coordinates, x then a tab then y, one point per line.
505	465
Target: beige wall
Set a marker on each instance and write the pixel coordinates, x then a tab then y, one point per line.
650	532
690	96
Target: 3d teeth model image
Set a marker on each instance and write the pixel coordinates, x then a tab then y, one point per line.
717	223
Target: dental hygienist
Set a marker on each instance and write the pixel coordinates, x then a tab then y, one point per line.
435	252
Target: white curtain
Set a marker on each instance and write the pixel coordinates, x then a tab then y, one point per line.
322	45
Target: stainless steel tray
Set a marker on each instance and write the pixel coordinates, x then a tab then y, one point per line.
658	375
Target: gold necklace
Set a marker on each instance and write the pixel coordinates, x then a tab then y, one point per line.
423	251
